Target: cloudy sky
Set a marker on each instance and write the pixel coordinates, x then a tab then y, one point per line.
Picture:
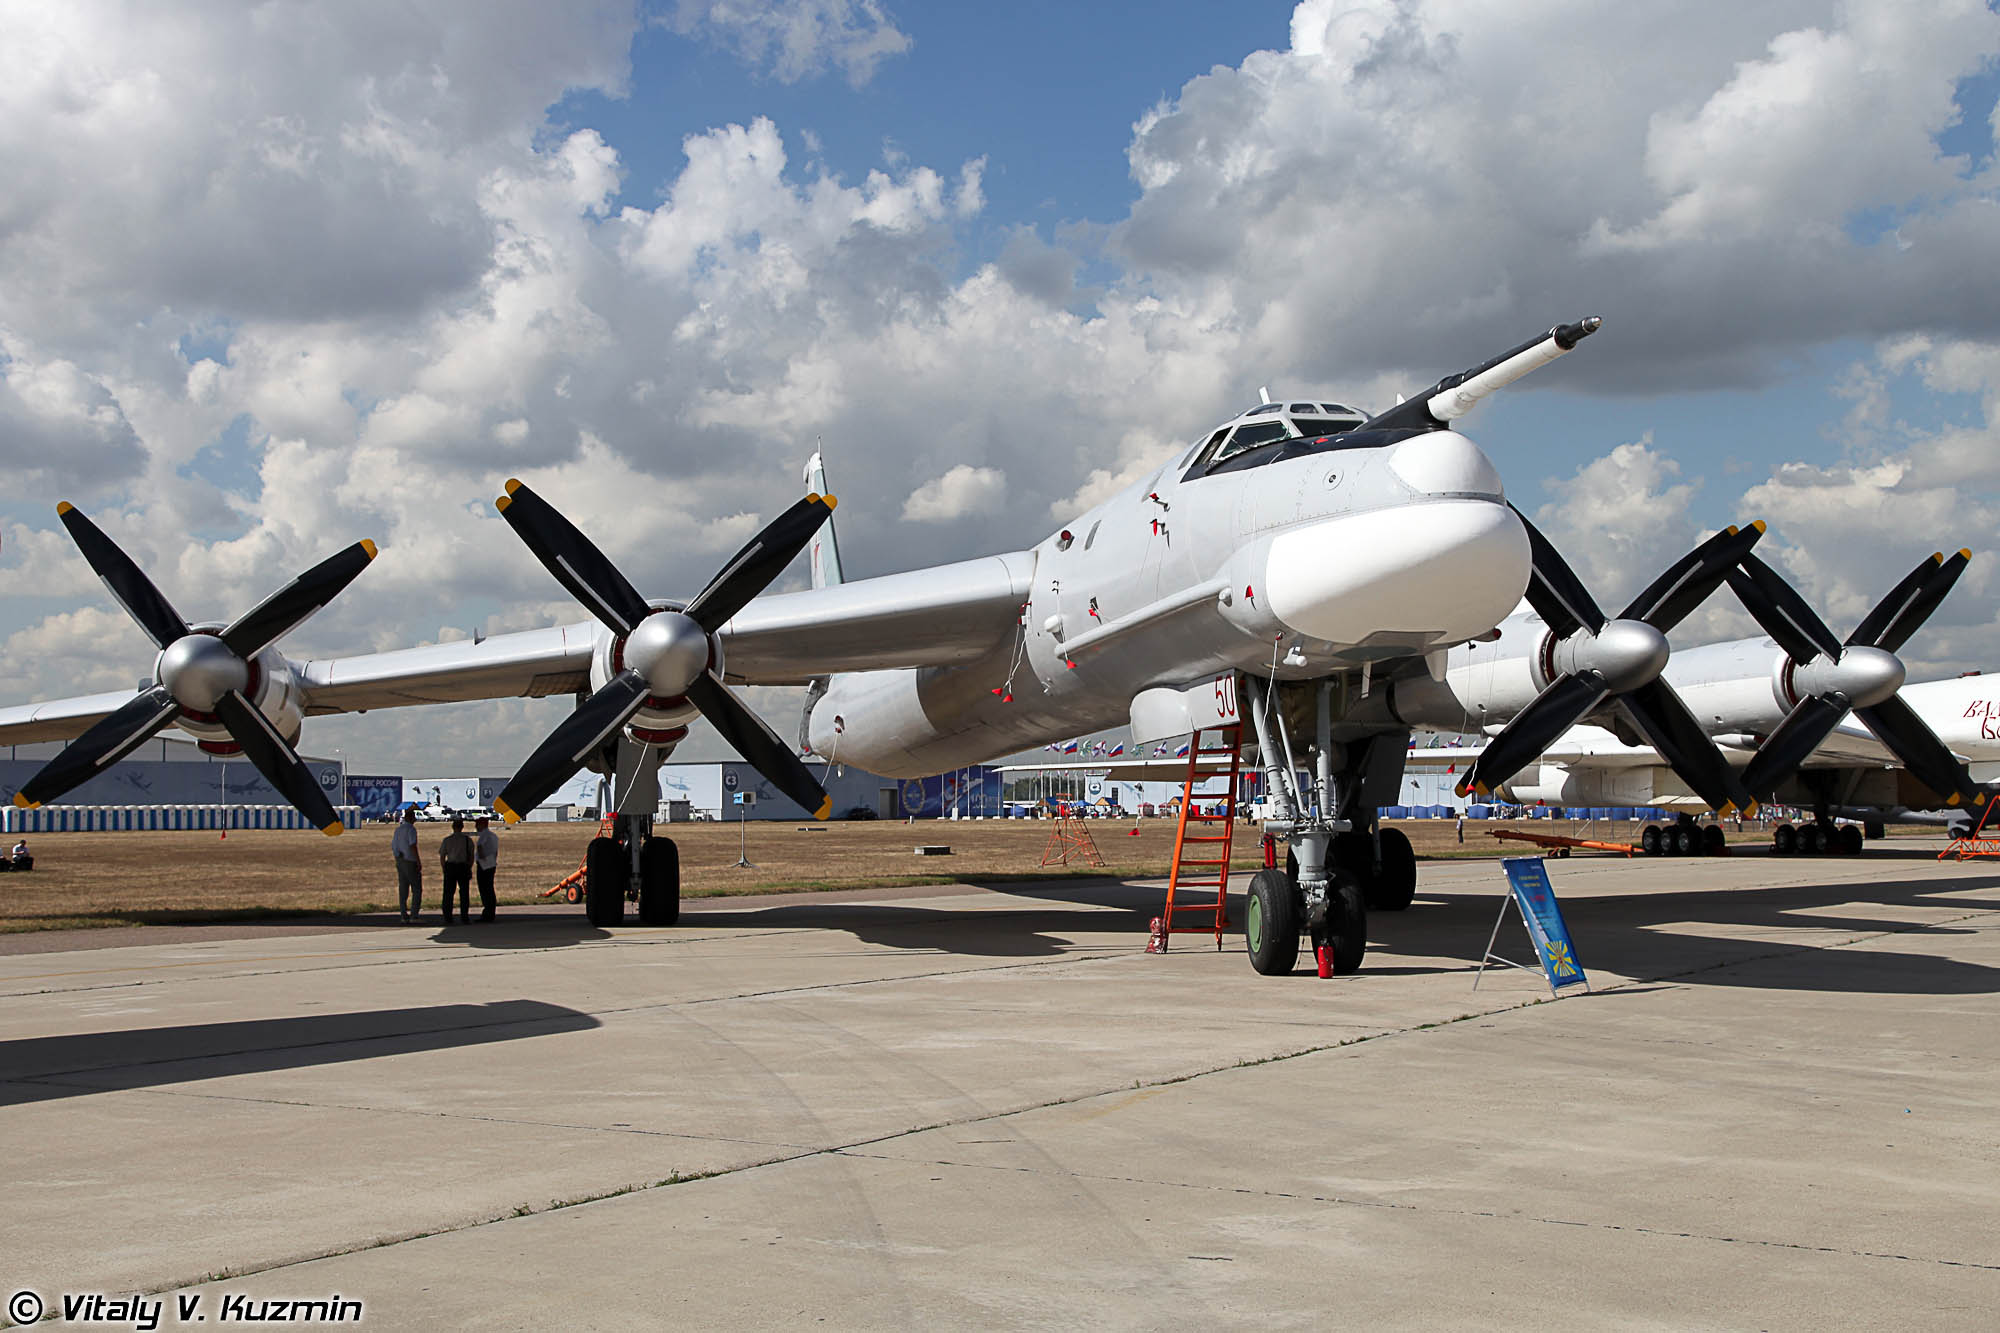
277	276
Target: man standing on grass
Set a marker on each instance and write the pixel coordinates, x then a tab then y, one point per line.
456	853
409	868
486	856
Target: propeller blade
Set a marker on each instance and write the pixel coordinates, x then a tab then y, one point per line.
1923	754
751	570
581	734
277	760
1555	591
569	555
1686	583
1555	710
1913	611
134	591
103	745
1782	612
749	737
290	606
1811	720
1661	716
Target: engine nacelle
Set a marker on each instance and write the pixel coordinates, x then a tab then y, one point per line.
1554	784
659	721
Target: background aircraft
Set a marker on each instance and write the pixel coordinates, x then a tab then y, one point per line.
1809	719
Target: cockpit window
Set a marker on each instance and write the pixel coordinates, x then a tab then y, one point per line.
1297	408
1342	410
1263	409
1324	425
1249	436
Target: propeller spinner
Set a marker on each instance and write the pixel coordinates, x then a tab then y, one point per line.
665	658
1589	657
1828	678
203	675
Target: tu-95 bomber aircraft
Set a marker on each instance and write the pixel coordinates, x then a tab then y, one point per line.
1297	551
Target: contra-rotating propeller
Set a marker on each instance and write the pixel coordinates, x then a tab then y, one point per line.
1827	678
200	675
1588	657
668	657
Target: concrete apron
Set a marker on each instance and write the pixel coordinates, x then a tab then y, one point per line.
994	1107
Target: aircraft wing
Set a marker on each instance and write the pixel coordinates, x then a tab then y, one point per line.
940	616
58	719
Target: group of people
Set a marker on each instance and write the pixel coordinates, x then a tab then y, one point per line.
460	855
18	859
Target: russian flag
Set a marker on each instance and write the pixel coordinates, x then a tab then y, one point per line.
1116	750
1070	747
1182	753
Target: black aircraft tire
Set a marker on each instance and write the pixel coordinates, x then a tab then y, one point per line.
1714	842
1784	840
1650	842
1683	838
1811	840
1847	840
659	883
605	872
1271	924
1395	888
1346	924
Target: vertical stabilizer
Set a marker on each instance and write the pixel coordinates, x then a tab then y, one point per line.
825	551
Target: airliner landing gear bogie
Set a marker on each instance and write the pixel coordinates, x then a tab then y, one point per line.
1818	837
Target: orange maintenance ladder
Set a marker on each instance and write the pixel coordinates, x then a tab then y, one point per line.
1201	858
1070	838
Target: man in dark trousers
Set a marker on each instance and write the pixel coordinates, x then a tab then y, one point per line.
456	853
486	858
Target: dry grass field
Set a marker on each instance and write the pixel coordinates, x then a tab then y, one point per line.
83	879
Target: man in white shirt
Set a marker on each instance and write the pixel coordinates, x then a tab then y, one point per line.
409	868
486	859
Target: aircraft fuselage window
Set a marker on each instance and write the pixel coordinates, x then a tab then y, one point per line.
1308	408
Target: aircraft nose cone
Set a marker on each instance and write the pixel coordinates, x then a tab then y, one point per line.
1437	572
669	650
198	669
1445	463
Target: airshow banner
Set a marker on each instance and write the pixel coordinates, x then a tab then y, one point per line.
1529	879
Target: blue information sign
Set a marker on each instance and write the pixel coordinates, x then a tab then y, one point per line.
1529	879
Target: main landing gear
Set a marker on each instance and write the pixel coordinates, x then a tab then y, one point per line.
1818	837
1337	868
614	875
1683	837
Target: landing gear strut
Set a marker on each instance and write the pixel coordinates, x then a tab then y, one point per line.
1334	872
633	864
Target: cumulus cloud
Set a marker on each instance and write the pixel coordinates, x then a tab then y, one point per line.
341	255
963	490
795	39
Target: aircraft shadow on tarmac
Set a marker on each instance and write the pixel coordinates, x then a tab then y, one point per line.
81	1064
517	932
1694	935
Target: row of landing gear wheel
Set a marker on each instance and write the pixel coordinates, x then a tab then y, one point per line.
1817	838
1683	839
607	882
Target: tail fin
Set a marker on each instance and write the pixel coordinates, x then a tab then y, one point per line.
825	551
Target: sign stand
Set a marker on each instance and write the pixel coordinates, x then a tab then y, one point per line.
1530	893
744	800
